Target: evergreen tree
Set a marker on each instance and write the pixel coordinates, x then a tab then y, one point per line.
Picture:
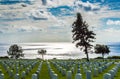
82	36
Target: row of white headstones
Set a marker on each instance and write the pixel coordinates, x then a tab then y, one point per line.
90	69
66	68
18	69
112	73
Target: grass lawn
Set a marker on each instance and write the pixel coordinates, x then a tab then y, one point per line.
44	74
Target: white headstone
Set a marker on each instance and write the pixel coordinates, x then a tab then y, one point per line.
78	76
69	75
34	76
107	76
88	74
1	76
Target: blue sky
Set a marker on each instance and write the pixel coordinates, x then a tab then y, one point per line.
51	20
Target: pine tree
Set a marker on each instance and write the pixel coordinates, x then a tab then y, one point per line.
82	36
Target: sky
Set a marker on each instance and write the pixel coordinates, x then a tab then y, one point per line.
51	20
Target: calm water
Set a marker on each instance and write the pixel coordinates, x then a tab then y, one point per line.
56	50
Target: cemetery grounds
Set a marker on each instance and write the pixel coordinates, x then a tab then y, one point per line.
59	69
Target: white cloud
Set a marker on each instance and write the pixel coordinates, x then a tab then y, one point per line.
111	22
26	28
87	6
108	35
55	3
35	11
36	16
41	14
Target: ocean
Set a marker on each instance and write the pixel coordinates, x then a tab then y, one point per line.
56	50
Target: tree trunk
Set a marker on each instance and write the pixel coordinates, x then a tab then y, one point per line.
103	56
87	56
86	52
42	57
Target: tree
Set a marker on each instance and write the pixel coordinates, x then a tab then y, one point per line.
82	36
42	52
102	49
15	51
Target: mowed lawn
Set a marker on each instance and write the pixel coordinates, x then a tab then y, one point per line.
44	73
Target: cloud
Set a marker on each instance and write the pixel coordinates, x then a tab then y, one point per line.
1	32
56	3
111	22
55	17
108	35
26	28
40	14
87	6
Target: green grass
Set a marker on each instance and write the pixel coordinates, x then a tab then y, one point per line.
4	72
73	76
44	74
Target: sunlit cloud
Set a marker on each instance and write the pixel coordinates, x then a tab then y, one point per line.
108	35
87	6
111	22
